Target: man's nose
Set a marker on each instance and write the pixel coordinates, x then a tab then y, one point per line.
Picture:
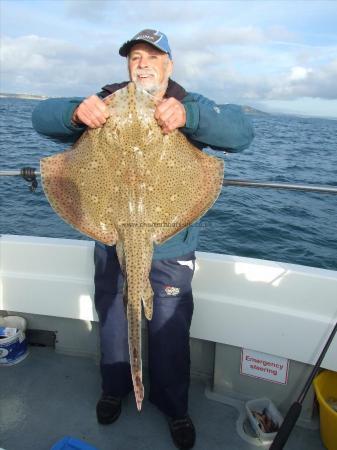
143	62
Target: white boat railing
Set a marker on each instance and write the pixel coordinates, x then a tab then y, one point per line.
274	307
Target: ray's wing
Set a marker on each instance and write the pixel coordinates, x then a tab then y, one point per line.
83	184
193	182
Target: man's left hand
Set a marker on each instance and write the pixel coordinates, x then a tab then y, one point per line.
170	115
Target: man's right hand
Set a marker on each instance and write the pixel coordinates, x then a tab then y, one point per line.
92	112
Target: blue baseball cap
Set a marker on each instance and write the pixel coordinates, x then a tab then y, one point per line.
152	37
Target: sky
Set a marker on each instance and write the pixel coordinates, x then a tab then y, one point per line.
278	56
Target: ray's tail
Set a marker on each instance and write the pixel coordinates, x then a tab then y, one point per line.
137	263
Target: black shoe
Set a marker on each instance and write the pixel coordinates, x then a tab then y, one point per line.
108	409
182	432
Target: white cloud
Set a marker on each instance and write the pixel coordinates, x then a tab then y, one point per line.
55	67
136	14
92	11
307	82
280	33
216	38
299	73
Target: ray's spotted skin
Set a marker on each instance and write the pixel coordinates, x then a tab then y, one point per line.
129	184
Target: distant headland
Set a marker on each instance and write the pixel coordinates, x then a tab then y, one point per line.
23	96
254	111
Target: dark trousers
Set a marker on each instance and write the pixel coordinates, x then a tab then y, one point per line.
168	331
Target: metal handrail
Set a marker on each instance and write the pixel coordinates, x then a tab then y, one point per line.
289	186
226	182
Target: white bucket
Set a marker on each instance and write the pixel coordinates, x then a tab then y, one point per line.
259	405
13	348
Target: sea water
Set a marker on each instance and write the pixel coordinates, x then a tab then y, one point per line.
287	226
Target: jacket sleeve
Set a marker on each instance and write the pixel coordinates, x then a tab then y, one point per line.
221	127
52	118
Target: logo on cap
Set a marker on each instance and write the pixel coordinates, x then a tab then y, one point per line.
149	35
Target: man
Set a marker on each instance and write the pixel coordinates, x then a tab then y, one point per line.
223	127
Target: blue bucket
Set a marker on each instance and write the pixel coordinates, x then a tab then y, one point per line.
13	343
69	443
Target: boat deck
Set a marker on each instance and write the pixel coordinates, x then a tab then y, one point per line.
49	396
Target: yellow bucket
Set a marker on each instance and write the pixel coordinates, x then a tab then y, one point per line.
325	385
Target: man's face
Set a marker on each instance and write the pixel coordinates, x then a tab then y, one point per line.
149	68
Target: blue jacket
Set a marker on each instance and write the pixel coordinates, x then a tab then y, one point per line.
221	127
